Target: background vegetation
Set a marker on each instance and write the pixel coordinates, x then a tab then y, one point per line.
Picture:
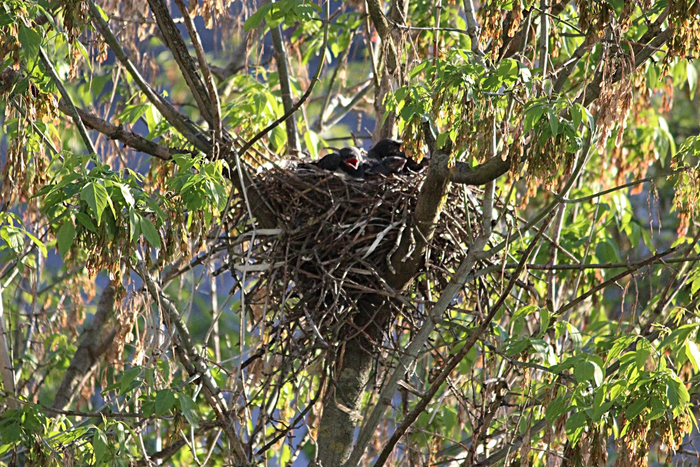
133	134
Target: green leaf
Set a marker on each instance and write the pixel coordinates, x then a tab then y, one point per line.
103	14
65	237
553	121
636	408
165	400
256	18
695	286
576	115
677	393
560	405
188	408
134	224
620	344
37	242
588	371
150	232
524	311
126	193
574	335
692	73
99	445
278	137
605	252
85	220
95	195
128	378
30	41
517	347
508	70
575	425
533	115
642	353
544	321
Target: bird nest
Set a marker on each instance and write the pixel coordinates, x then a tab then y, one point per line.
334	245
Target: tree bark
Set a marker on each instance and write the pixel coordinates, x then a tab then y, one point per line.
89	351
341	409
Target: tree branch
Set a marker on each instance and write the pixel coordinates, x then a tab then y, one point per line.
645	52
7	374
194	365
303	98
174	42
202	59
175	118
285	86
481	174
89	351
72	111
129	138
455	285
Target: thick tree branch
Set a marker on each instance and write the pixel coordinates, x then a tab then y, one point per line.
174	42
175	118
431	199
445	299
91	348
285	86
481	174
129	138
202	59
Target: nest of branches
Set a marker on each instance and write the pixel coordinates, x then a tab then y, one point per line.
337	243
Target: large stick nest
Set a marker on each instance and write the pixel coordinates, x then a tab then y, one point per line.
334	245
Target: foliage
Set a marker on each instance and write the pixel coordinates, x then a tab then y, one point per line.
573	334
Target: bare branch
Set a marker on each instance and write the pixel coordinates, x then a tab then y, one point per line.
72	111
129	138
202	59
630	269
7	374
174	41
175	118
91	348
285	86
480	175
194	364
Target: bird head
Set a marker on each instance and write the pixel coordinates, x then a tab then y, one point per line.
385	148
351	157
394	163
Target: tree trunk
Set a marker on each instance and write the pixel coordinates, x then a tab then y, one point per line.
341	410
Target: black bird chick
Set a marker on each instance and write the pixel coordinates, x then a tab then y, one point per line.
350	154
385	148
388	166
345	163
413	166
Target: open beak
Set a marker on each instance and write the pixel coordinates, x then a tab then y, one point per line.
352	162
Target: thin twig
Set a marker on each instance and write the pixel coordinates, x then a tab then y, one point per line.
304	97
71	108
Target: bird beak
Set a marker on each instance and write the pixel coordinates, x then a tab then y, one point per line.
352	162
